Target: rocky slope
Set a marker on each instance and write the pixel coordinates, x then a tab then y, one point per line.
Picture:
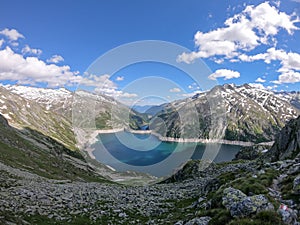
245	113
25	113
107	112
55	112
287	143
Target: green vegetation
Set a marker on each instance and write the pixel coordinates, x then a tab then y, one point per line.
42	155
261	218
287	189
102	120
249	185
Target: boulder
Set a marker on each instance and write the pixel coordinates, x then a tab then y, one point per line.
241	205
232	196
296	185
199	221
288	215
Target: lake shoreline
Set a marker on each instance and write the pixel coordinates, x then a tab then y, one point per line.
94	135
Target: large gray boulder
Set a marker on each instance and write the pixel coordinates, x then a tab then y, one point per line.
241	205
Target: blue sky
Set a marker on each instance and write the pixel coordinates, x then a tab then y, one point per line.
52	43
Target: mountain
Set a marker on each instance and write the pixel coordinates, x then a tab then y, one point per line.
37	133
293	97
239	113
149	109
24	113
141	108
39	154
54	112
287	142
43	182
155	109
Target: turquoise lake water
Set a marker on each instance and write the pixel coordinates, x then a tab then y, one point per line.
146	153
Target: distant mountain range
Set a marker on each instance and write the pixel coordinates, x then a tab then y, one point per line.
251	114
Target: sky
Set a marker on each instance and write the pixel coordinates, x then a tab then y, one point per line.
55	43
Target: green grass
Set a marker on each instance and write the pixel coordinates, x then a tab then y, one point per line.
261	218
18	152
287	189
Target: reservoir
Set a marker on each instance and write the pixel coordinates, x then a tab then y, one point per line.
146	153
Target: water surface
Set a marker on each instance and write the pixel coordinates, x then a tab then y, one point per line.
146	153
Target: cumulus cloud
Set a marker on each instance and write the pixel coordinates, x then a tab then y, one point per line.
175	90
254	26
55	59
32	70
11	34
1	42
120	78
225	73
289	61
34	51
260	80
15	67
288	77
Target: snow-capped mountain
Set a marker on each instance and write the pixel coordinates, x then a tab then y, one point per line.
57	100
50	111
251	114
24	113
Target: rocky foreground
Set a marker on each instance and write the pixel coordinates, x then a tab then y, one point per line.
264	190
222	194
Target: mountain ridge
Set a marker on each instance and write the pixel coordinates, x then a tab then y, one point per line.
252	114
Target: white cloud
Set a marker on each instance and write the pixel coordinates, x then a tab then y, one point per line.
34	51
175	90
120	78
227	74
296	1
289	61
188	95
1	42
257	85
128	95
11	34
55	59
260	80
288	77
31	70
101	83
243	32
14	44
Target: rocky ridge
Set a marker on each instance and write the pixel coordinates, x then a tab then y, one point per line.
249	114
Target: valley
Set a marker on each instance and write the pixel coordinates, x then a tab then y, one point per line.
47	177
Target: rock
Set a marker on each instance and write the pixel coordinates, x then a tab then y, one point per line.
232	196
287	144
241	205
288	215
199	221
122	215
296	185
251	152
